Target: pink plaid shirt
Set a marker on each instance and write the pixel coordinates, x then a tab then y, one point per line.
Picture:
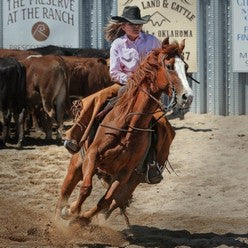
125	55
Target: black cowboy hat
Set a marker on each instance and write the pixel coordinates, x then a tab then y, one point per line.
131	14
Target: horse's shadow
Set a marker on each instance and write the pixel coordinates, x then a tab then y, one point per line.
194	129
145	236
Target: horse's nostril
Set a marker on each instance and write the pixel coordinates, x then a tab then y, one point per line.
187	98
184	96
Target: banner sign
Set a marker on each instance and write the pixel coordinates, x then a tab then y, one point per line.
240	36
175	19
34	23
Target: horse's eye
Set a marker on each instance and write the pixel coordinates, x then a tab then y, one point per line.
169	67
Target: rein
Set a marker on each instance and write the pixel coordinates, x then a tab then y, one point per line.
163	108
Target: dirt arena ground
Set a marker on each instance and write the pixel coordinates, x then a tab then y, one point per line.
204	205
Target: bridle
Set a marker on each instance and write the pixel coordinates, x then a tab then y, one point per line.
162	107
165	109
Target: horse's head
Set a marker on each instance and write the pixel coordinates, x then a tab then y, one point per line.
171	73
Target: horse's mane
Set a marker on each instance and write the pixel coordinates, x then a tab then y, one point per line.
146	72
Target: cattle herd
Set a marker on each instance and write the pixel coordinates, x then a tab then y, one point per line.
37	86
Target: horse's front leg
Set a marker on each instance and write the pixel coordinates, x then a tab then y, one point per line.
88	171
73	176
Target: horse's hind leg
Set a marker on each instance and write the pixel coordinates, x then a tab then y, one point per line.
122	198
107	199
73	176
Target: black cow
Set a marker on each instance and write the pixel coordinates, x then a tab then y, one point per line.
12	97
81	52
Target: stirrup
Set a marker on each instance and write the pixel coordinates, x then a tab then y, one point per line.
153	173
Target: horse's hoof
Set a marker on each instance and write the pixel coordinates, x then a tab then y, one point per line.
66	213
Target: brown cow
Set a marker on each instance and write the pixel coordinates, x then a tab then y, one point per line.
17	54
47	88
87	75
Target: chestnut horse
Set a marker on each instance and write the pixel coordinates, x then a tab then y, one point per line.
120	143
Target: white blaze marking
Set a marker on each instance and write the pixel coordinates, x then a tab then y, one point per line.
180	69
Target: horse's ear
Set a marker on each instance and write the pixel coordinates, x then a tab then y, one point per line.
182	45
165	42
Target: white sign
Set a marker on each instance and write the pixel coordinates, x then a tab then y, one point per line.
240	35
175	19
34	23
